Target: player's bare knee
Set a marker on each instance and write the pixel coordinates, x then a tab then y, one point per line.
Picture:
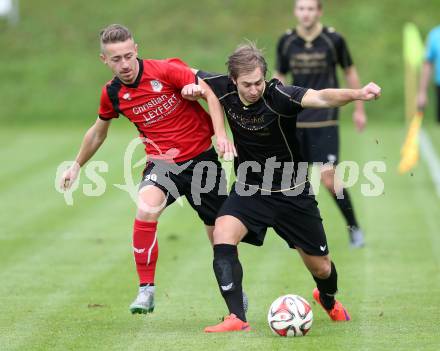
318	266
323	268
151	202
228	230
223	235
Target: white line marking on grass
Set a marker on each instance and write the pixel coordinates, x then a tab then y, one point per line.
431	158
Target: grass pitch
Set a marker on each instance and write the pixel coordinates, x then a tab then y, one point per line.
67	273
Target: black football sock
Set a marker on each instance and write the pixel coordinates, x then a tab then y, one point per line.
346	208
229	274
328	288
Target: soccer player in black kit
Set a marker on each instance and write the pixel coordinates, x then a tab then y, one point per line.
271	188
310	54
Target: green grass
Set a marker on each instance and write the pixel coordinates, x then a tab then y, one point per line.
67	275
66	272
434	134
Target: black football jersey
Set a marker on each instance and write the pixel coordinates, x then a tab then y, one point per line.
312	64
263	131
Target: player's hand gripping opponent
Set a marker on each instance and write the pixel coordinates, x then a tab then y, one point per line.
225	147
193	92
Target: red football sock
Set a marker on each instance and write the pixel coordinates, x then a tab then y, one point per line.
145	249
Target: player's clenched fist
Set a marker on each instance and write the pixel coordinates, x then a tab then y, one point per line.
370	92
192	92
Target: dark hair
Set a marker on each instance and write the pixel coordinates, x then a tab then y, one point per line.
245	59
114	33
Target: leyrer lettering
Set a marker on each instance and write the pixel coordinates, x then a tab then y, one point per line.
153	102
166	106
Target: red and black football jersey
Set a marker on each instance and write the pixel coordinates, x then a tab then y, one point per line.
153	103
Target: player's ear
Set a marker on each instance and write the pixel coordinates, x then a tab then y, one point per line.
136	49
320	11
103	58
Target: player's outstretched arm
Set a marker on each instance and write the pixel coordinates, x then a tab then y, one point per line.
327	98
225	147
92	140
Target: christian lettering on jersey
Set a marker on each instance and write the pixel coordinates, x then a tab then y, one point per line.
247	122
308	63
157	108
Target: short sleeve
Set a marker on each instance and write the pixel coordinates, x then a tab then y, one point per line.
430	47
106	110
282	61
342	52
219	83
177	73
285	99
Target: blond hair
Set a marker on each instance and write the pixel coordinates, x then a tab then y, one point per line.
245	59
114	33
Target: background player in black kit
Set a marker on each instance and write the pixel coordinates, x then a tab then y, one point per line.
310	53
269	190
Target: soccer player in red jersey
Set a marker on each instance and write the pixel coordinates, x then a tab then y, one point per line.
177	136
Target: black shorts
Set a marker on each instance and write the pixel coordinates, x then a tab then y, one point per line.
201	180
319	144
296	219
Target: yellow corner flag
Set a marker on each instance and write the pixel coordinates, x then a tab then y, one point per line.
413	49
410	148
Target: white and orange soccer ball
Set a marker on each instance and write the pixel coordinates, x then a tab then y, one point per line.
290	315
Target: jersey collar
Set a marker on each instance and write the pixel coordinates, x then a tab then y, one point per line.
309	37
135	84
